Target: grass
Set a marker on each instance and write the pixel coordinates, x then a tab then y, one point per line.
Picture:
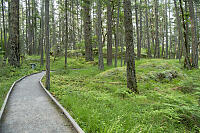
100	102
8	75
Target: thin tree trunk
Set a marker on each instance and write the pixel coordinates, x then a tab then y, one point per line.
109	33
148	37
166	22
66	33
157	49
4	32
137	30
42	34
117	34
47	44
99	33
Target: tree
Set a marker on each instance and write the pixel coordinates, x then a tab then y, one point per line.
157	47
47	44
195	54
166	36
131	76
87	31
66	32
147	25
42	34
187	63
14	57
109	33
137	30
99	33
117	34
4	31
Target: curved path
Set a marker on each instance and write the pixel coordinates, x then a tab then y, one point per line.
30	110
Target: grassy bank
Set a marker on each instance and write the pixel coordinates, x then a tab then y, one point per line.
8	75
100	102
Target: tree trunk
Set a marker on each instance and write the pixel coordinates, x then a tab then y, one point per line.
99	35
130	58
137	30
47	44
87	31
157	49
147	25
14	58
42	35
117	34
194	36
4	32
109	33
66	32
187	63
141	33
166	22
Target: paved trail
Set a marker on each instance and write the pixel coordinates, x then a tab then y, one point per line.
29	110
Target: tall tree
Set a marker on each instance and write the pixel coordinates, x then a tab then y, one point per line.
109	33
147	25
166	22
187	63
66	32
131	76
14	58
99	35
137	30
47	44
157	47
42	34
87	31
4	30
117	34
195	54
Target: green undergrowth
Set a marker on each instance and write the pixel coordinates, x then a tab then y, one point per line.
8	75
101	103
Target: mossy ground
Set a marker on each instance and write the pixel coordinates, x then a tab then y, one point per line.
100	102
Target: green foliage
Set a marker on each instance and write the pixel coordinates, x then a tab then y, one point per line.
100	101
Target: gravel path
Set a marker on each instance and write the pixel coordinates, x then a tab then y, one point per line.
29	110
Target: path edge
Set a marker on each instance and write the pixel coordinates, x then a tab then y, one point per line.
67	115
9	93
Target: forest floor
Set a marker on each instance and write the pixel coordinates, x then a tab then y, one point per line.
100	102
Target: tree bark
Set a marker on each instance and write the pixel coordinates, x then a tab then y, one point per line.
42	35
194	36
157	47
117	34
14	58
47	44
109	33
4	32
87	31
66	32
131	76
99	33
148	37
187	63
137	30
